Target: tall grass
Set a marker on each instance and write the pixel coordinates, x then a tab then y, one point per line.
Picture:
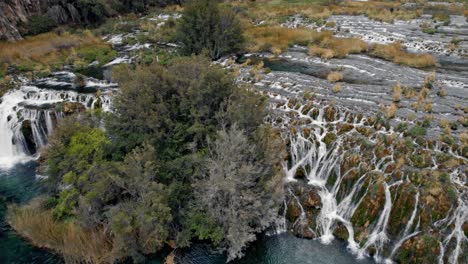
76	244
45	52
277	39
275	11
394	52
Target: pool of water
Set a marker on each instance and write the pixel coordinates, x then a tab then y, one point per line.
19	184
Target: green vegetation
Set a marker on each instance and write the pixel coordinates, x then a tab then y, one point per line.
207	26
50	51
37	24
184	156
416	131
429	30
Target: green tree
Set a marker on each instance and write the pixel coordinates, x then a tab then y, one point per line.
140	223
205	25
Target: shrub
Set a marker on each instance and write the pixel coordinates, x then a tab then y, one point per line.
334	76
102	53
430	31
391	111
37	24
336	88
442	92
417	131
207	26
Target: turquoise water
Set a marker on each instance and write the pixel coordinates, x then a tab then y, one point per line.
19	185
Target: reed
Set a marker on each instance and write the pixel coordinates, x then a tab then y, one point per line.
394	52
75	243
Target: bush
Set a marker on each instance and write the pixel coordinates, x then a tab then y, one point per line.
417	131
101	53
92	11
207	26
37	24
334	76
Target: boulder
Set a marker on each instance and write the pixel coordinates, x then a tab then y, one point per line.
70	108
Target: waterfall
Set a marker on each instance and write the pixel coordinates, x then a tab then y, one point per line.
406	235
318	149
36	107
458	218
10	152
378	237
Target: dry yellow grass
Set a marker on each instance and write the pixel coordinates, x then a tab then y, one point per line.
277	39
334	76
397	93
394	52
409	92
269	11
280	38
442	92
336	88
38	46
321	52
73	242
391	111
344	46
428	106
45	52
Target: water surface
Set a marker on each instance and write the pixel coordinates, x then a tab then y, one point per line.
19	184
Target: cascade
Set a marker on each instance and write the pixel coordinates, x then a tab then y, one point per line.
319	160
29	113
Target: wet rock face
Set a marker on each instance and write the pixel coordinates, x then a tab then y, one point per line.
26	130
12	12
355	178
70	108
303	204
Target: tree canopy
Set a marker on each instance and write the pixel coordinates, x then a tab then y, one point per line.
207	26
184	154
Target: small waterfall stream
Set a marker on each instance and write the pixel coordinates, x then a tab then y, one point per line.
320	141
29	113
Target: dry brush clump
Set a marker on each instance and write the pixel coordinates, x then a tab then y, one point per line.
390	111
334	76
337	88
394	52
397	91
76	244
